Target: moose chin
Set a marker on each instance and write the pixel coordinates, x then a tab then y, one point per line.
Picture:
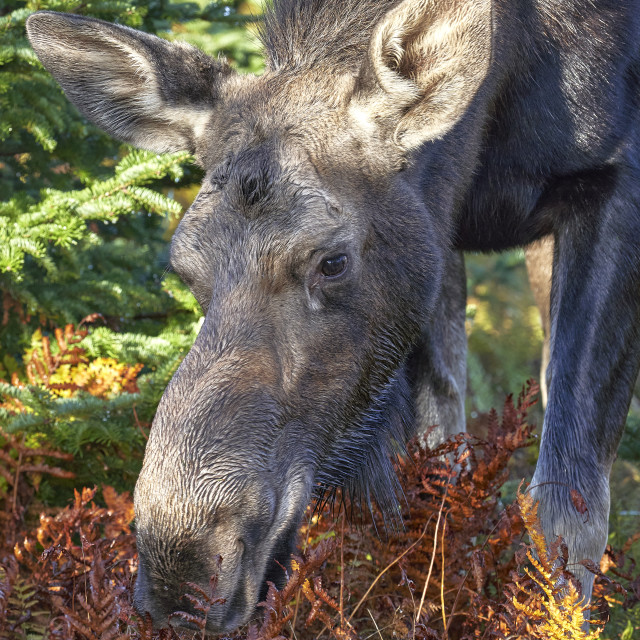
384	138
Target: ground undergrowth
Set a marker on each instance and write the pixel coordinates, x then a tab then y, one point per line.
465	566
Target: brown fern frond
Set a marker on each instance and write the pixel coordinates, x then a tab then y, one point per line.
10	304
201	600
21	467
349	583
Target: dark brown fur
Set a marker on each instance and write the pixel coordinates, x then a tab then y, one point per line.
384	136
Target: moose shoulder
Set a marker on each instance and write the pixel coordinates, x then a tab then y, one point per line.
383	137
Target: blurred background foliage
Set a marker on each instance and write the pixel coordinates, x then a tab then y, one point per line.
91	326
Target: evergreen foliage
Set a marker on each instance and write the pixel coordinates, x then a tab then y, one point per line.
84	224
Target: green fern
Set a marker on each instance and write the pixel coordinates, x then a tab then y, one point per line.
25	618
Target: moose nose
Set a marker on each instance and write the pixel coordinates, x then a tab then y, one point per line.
215	559
212	569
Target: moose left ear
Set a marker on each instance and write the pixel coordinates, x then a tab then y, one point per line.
151	93
426	61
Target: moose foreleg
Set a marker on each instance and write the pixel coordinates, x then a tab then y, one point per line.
595	351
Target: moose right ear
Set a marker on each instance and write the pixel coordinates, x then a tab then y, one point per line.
426	61
151	93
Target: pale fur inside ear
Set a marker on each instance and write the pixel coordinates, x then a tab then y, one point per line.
426	61
139	88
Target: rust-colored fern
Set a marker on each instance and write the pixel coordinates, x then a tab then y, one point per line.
64	368
459	570
17	461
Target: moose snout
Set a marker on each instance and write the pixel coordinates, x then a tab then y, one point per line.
221	491
222	562
215	567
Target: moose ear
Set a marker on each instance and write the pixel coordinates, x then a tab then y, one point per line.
139	88
425	63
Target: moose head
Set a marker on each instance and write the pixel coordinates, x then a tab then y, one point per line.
315	248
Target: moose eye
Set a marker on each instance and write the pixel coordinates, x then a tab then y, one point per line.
334	266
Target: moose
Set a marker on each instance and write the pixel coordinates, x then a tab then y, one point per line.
384	138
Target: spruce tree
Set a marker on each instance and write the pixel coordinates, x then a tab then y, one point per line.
84	229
